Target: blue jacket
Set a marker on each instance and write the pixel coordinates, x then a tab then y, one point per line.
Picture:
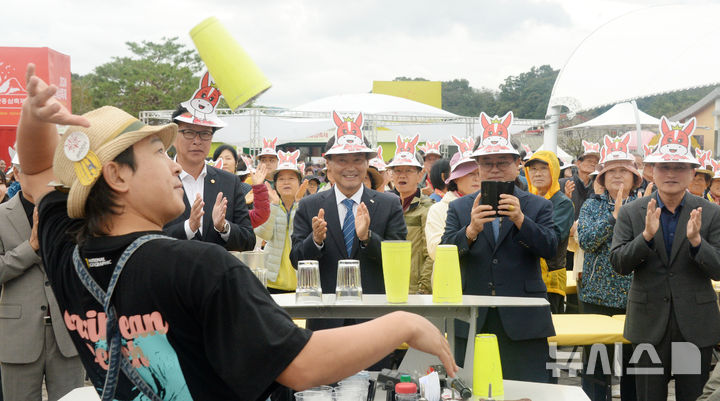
512	266
601	285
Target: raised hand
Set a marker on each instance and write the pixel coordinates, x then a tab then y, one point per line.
693	227
42	105
569	188
648	189
218	212
426	190
196	213
301	191
479	215
618	201
652	220
272	194
319	226
258	177
362	222
509	206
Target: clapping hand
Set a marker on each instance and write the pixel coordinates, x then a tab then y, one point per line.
652	220
218	212
362	222
693	227
569	188
196	213
618	201
319	226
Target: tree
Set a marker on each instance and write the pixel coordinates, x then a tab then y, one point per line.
527	94
157	76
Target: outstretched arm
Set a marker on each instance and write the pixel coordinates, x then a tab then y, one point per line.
326	358
37	136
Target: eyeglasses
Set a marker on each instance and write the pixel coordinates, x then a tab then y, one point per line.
501	165
190	134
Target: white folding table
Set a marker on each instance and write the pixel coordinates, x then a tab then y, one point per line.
376	305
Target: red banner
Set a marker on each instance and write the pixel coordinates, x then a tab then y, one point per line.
51	66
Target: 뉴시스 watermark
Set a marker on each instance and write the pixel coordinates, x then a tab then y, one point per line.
685	359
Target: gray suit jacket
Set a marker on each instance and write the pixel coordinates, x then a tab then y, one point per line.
26	293
683	281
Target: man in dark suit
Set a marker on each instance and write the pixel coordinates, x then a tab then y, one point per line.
215	210
670	240
500	255
320	219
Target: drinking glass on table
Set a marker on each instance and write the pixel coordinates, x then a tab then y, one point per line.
348	288
308	283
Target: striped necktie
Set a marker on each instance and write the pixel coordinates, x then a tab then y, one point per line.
349	225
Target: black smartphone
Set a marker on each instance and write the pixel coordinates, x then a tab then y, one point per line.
490	192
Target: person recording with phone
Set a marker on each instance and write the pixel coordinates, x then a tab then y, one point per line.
500	251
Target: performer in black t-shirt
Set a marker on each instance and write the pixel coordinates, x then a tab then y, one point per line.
193	322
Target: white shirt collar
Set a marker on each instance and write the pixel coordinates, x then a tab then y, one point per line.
357	196
203	173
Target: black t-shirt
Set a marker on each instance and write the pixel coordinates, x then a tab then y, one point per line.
195	322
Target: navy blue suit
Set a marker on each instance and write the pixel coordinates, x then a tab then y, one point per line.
508	267
386	223
242	236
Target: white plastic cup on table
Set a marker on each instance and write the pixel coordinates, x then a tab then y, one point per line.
308	289
348	289
314	395
355	384
261	275
343	393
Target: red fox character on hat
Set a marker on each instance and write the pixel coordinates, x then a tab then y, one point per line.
268	147
431	148
465	146
349	136
674	144
496	135
405	152
201	107
616	149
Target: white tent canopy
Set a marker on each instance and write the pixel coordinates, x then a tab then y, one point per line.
370	103
649	51
620	115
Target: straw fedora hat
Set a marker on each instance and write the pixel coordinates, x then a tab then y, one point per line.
83	151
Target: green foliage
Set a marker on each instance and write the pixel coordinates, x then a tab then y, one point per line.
669	104
157	76
526	94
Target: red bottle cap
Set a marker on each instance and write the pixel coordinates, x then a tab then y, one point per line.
406	388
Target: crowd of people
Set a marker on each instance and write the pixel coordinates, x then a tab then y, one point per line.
114	255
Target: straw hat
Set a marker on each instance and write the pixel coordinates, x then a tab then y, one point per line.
83	151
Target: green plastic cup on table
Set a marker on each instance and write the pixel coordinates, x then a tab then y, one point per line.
396	270
487	369
446	285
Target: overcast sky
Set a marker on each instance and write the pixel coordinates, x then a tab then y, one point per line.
312	49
